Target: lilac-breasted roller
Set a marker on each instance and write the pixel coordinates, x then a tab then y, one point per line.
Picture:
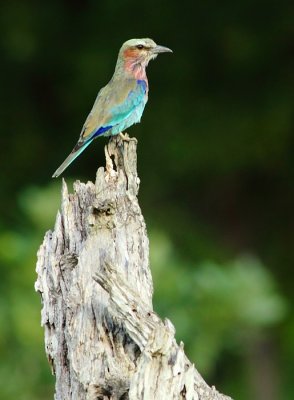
121	102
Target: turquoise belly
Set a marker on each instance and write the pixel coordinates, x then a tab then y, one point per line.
132	119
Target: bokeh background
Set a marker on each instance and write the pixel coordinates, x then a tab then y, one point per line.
215	158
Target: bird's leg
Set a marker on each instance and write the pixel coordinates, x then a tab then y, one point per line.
125	137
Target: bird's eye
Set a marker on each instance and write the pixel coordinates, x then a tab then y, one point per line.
140	46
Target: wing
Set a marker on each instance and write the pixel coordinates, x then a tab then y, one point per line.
114	104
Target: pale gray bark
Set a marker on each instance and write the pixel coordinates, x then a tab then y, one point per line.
102	337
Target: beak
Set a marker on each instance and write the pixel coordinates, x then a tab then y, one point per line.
161	49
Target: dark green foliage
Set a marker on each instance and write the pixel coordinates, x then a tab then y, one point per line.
216	167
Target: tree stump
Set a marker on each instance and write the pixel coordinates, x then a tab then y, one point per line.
102	337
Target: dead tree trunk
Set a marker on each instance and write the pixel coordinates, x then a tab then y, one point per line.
102	337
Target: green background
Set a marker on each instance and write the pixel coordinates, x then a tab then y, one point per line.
215	159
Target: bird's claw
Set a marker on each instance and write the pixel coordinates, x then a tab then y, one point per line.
125	137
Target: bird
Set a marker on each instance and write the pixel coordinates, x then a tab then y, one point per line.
121	102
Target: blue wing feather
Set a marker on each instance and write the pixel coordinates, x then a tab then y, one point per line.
101	130
127	113
124	110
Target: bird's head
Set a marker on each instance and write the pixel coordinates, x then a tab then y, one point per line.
138	52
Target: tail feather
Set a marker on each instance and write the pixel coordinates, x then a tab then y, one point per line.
78	149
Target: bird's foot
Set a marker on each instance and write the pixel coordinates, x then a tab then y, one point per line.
125	137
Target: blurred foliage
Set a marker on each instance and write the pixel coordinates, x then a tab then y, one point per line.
215	159
214	306
24	371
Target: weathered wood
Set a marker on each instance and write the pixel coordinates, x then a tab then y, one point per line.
102	337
